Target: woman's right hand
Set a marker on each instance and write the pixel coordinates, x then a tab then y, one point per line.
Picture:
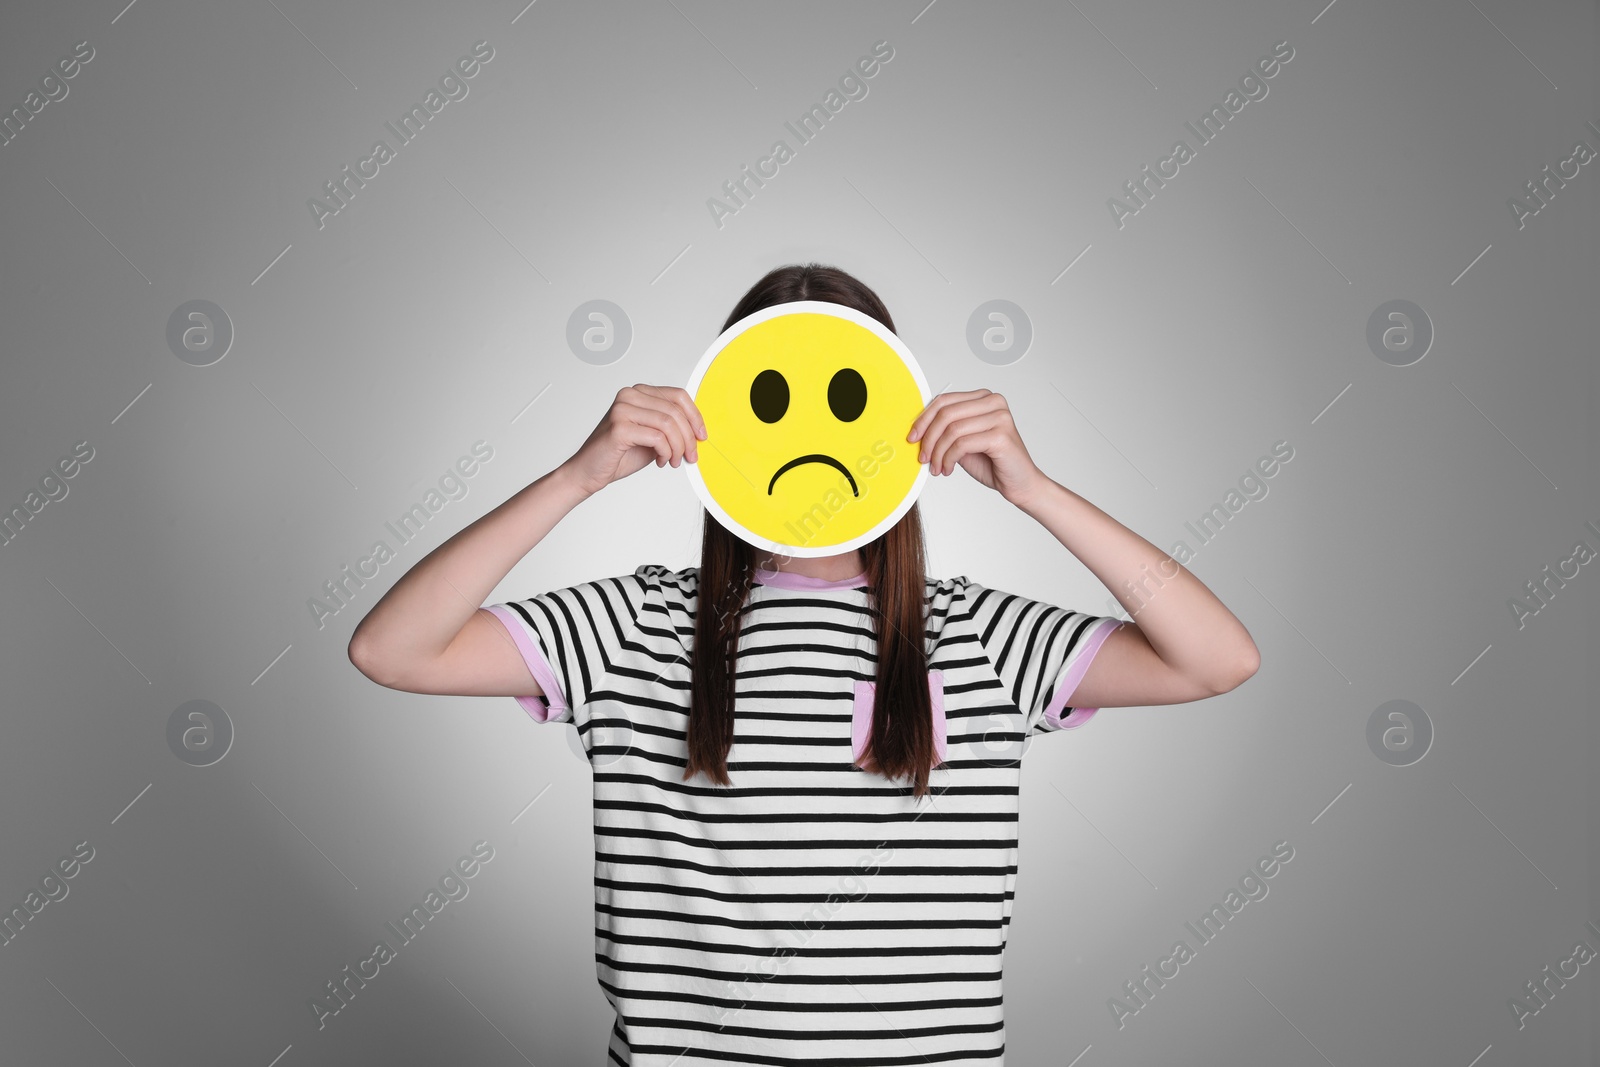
644	423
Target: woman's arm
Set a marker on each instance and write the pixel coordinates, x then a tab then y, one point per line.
1184	644
428	634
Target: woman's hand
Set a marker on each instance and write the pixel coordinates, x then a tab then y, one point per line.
975	431
645	422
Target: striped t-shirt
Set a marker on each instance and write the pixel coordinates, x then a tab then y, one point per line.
813	912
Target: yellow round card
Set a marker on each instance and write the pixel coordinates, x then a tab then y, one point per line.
807	405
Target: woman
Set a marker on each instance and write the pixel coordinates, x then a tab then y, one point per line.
816	864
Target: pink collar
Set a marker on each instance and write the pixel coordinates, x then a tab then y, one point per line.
790	580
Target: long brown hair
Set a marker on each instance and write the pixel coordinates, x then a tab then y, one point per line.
900	744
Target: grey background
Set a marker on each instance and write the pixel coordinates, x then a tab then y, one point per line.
1228	314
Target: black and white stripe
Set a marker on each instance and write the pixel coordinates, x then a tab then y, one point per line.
813	912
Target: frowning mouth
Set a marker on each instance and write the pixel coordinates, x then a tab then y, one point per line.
814	458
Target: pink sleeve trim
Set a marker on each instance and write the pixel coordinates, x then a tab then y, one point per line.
553	703
1069	681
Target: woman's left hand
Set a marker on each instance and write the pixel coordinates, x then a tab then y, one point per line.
975	431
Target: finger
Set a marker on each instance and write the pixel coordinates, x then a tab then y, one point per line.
983	441
682	432
961	406
652	396
685	402
691	411
683	419
696	420
639	413
919	425
665	418
637	433
960	409
939	459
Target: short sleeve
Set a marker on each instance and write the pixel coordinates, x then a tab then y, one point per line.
570	638
1039	651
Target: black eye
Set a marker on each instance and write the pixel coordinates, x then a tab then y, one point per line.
769	396
847	395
